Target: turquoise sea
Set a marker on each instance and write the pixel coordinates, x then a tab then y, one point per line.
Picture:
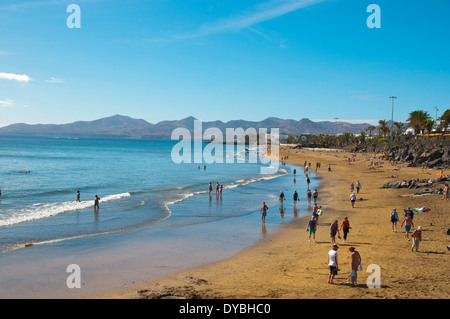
143	193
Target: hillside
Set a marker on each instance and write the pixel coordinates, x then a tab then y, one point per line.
127	127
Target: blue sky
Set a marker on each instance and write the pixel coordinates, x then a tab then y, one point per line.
222	60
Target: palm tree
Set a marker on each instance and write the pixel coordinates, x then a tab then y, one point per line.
417	120
429	125
370	129
445	119
399	128
383	129
362	137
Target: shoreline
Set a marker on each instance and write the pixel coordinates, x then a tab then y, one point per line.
122	259
298	268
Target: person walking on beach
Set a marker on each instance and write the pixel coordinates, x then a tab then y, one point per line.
311	228
333	263
264	209
358	187
96	203
78	196
309	195
416	238
352	187
353	199
345	227
408	223
281	198
394	219
356	265
334	229
319	212
409	212
308	181
295	196
314	213
315	195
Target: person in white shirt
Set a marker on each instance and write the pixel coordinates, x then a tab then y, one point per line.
353	199
333	263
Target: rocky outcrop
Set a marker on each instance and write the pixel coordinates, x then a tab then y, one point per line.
420	186
415	152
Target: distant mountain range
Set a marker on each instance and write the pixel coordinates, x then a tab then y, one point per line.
127	127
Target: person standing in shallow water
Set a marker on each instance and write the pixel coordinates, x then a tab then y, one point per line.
78	196
315	195
295	196
96	203
264	209
281	198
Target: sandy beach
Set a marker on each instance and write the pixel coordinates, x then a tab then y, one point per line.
286	265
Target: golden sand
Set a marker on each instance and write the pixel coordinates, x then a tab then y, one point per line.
286	265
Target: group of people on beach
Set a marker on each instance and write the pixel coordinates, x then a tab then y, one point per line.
307	167
96	201
358	186
333	264
219	188
408	223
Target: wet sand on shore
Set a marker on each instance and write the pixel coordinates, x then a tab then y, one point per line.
286	265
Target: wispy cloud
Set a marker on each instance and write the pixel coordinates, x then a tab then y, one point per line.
263	12
11	103
7	103
15	77
55	80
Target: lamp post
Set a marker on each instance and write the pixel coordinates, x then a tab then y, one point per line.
335	125
392	113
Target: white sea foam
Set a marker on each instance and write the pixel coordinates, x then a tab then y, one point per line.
46	210
237	183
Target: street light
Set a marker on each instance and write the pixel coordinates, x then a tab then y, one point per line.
335	125
392	113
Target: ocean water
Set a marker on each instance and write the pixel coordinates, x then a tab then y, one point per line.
138	183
